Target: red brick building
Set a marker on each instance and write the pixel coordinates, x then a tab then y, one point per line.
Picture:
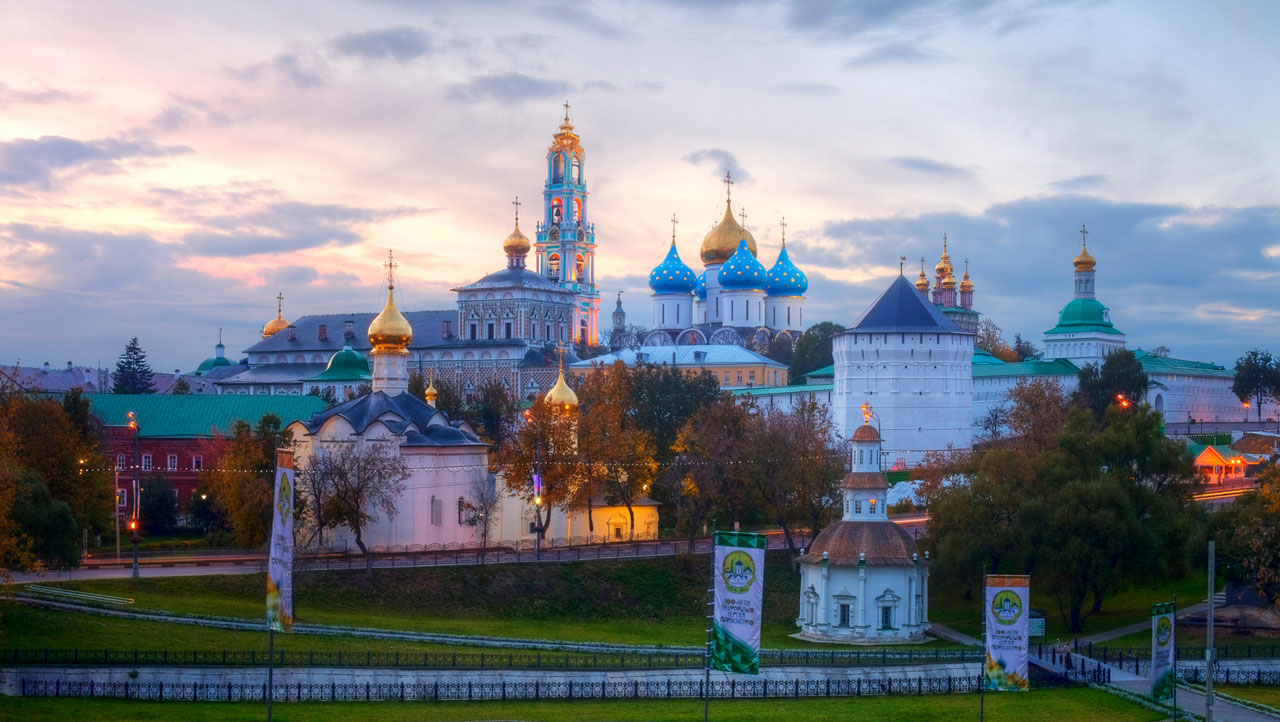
178	436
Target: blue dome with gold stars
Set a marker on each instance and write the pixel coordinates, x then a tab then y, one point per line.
700	290
672	275
742	271
785	279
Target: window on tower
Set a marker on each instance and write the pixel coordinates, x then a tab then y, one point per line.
557	168
557	211
581	267
553	266
577	210
577	170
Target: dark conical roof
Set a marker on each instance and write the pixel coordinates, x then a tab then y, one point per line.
902	308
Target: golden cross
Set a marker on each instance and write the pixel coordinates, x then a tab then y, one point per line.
1083	233
866	412
566	111
391	266
743	215
279	303
728	186
783	223
922	265
674	221
944	243
516	203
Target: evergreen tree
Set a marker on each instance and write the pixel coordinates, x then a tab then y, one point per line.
133	373
813	350
182	388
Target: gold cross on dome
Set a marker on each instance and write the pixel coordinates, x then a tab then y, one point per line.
783	223
866	412
279	303
1083	233
516	203
728	186
743	215
566	111
674	221
391	266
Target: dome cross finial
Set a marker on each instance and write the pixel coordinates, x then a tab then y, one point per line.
391	267
742	213
674	221
783	224
866	412
219	335
279	303
728	187
566	111
516	203
1083	233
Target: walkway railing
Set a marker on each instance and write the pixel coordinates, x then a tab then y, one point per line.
496	659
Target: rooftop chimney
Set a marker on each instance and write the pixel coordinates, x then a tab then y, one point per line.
322	332
68	365
46	367
293	333
348	329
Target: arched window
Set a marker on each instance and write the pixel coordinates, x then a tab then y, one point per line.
553	266
577	210
557	168
577	169
581	266
557	210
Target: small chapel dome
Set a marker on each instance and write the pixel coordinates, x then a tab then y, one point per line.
347	363
561	394
922	283
742	271
965	283
785	278
878	543
516	243
390	330
277	324
672	275
866	432
719	244
950	280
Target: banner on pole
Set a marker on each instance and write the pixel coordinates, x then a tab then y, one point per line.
1162	648
738	568
280	566
1008	603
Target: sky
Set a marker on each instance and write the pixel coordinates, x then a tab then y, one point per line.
167	168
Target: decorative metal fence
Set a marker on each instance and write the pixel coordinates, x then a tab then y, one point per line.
1124	656
479	660
503	690
1230	675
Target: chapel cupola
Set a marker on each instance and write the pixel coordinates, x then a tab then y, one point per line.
390	334
277	324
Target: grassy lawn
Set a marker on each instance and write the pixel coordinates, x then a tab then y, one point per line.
653	602
1195	636
948	606
1255	693
1078	704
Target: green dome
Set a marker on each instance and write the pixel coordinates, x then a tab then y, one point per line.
345	365
1083	315
212	363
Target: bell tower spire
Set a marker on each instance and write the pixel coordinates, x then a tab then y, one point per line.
566	239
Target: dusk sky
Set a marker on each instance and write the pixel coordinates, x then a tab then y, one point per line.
167	168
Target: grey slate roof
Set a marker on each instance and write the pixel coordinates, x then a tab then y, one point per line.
402	414
273	374
427	326
902	308
514	278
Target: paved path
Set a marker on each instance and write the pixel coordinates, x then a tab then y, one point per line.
1143	626
951	635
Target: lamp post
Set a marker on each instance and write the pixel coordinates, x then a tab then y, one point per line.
137	462
1246	412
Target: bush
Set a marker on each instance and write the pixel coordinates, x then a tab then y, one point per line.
48	523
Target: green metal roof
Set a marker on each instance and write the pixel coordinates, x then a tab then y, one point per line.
981	357
1056	367
1160	365
822	372
1084	315
779	390
345	365
195	416
211	363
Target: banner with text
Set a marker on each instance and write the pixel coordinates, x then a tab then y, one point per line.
1008	600
738	568
1162	680
280	566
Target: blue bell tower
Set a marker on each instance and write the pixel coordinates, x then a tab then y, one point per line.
566	240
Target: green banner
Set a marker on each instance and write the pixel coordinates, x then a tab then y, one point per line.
738	568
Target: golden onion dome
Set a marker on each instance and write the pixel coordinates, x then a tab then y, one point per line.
965	283
922	283
561	394
949	281
1085	261
722	241
274	326
517	243
390	330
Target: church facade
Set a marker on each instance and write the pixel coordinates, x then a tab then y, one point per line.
734	300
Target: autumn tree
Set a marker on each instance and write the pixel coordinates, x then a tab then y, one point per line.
46	522
493	412
1121	375
707	474
616	455
1037	413
484	498
663	399
361	481
990	338
1248	534
1257	379
242	483
543	445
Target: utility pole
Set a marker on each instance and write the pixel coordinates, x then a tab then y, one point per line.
1210	654
137	462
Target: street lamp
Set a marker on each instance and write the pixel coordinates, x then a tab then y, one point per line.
137	462
1122	400
1246	411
